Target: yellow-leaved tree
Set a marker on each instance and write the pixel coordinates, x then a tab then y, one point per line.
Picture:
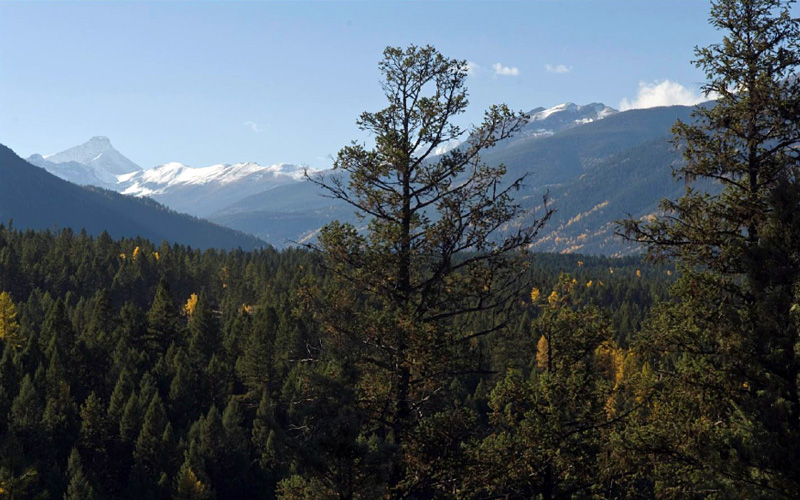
9	326
549	427
191	304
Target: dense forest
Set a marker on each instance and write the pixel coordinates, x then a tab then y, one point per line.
424	353
133	370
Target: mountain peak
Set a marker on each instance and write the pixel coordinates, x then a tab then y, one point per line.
97	154
545	122
99	140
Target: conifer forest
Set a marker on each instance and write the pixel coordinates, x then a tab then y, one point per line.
423	350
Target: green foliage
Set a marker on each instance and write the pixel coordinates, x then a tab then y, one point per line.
548	430
725	416
410	359
79	487
403	292
94	360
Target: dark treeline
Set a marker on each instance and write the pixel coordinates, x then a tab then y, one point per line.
133	370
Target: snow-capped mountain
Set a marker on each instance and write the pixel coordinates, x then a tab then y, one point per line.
95	163
241	195
202	191
546	122
98	153
197	191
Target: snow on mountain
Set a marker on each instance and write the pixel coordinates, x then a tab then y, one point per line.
77	173
206	190
546	122
197	191
201	191
97	153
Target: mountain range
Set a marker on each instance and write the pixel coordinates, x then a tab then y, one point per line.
196	191
596	165
32	198
594	173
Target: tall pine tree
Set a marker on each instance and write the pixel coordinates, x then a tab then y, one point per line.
726	414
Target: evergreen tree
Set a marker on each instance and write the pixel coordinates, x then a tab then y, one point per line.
119	397
130	422
148	454
58	336
547	436
26	410
255	366
60	421
726	415
403	292
78	487
9	376
162	321
95	436
263	435
97	343
204	331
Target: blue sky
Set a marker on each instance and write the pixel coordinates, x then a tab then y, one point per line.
223	82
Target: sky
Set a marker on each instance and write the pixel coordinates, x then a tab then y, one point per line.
223	82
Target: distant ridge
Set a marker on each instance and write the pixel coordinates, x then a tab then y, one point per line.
196	191
595	172
36	199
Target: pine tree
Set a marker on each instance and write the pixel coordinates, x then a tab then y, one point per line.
130	422
263	435
119	397
204	331
95	437
219	376
26	410
162	321
78	487
255	366
97	343
729	380
58	335
9	376
547	431
400	288
60	420
236	460
148	454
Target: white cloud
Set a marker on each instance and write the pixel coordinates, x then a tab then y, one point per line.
501	70
558	68
665	93
473	68
253	126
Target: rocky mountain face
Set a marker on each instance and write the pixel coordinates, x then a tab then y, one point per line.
95	160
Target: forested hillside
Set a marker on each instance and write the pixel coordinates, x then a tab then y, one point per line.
133	370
